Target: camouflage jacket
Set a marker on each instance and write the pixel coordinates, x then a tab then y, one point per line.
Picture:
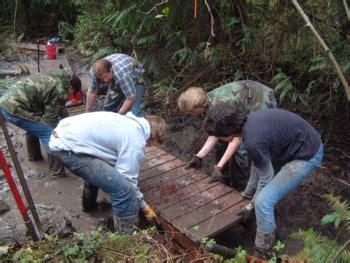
249	95
39	98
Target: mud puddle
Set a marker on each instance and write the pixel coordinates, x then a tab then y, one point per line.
57	199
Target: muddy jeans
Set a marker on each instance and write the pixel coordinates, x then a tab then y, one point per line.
113	103
42	131
288	178
103	175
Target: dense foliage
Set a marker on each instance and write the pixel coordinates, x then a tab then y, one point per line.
228	40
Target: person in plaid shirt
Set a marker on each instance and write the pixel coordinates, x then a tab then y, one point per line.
124	77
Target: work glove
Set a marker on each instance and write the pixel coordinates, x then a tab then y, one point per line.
150	214
247	213
216	175
195	162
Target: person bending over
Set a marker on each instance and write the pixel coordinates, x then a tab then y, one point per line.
36	105
284	149
251	96
109	160
125	79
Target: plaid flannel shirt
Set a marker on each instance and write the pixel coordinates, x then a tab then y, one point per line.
126	71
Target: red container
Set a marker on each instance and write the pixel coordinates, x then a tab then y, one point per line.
50	51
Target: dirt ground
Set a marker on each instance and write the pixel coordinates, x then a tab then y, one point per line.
58	199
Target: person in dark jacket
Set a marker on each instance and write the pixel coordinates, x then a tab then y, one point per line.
284	149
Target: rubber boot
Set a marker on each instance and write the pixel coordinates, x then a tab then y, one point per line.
33	148
89	198
126	225
263	245
248	193
56	165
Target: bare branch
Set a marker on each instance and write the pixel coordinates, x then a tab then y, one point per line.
212	22
325	48
346	9
155	7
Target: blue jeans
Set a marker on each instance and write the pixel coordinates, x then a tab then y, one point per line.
105	176
288	178
136	108
42	131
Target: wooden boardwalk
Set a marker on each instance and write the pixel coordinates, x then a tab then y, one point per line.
185	200
188	205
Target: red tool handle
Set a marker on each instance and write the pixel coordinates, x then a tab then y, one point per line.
21	206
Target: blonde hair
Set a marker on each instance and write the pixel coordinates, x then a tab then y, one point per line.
158	128
192	98
100	67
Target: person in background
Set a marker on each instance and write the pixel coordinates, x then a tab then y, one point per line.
125	79
251	96
284	149
36	105
110	159
74	99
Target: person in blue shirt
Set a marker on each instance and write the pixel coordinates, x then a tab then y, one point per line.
284	149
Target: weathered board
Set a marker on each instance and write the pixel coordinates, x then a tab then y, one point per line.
186	199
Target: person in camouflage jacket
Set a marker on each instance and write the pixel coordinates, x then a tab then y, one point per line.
251	96
37	103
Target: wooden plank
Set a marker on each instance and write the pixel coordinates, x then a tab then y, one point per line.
151	148
34	47
218	223
184	199
10	72
178	190
150	173
163	178
30	46
195	201
154	154
156	162
209	210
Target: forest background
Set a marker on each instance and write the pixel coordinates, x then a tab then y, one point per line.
209	43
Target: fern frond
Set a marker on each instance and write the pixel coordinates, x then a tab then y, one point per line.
103	52
342	208
146	40
320	248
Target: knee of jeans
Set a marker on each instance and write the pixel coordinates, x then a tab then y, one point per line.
262	206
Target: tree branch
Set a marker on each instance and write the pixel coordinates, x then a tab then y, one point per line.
325	48
346	9
155	7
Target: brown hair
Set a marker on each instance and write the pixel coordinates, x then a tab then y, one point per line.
158	128
192	98
100	67
75	83
224	119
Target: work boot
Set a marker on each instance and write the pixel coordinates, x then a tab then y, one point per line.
56	165
126	225
89	198
33	148
263	245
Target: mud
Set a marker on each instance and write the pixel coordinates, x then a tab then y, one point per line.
58	199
